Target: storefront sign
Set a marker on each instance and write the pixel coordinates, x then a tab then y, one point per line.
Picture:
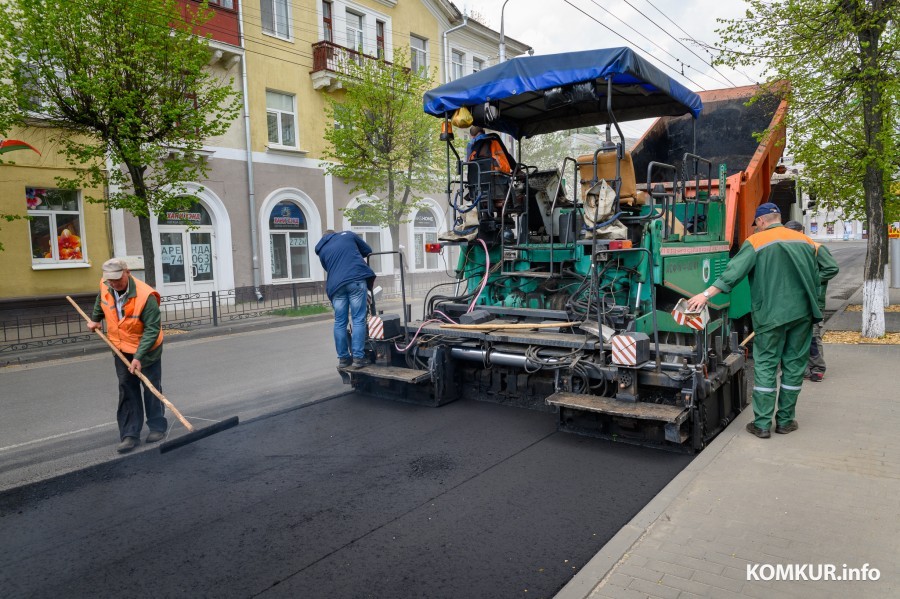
171	254
201	258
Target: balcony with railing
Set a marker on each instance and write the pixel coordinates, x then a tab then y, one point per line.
330	60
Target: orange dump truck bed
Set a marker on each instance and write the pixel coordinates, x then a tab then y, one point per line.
725	135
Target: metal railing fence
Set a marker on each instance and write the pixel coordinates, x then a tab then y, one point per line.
26	330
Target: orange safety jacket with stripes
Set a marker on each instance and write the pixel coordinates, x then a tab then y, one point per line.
784	276
126	333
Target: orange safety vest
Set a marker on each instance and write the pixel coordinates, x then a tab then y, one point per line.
494	148
126	333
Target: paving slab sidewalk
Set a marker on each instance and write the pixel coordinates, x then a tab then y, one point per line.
827	495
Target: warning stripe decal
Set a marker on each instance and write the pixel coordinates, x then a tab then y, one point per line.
376	328
624	350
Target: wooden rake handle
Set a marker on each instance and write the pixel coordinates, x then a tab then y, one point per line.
137	373
747	340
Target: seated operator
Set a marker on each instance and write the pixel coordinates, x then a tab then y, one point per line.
488	145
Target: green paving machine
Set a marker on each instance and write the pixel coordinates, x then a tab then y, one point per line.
568	292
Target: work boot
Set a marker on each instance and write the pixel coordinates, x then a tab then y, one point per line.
787	428
359	363
154	436
816	377
127	444
345	363
762	433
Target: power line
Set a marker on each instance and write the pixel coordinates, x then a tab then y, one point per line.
613	15
675	38
593	18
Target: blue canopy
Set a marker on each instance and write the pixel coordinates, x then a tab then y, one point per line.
541	94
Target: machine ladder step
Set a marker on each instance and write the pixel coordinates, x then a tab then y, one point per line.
394	373
605	405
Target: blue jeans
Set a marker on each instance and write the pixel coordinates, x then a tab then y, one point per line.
350	296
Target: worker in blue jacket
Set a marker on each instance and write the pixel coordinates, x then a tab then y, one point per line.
343	257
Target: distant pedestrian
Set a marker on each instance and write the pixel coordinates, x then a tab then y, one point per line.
784	288
828	269
131	310
343	257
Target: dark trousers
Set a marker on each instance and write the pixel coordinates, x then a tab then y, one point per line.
131	407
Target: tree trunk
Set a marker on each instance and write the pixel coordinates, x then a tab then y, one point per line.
140	190
147	250
873	187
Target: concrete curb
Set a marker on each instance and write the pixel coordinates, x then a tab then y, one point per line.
587	579
843	308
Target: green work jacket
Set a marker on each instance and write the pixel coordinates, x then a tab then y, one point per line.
828	269
784	277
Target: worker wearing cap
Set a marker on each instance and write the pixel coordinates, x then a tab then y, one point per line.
828	269
131	310
784	288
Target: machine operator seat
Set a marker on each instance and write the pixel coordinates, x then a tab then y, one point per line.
606	169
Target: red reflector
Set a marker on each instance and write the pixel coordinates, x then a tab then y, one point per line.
620	244
433	248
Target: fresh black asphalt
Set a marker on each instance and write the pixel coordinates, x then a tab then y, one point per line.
347	498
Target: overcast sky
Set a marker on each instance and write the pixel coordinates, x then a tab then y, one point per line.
551	26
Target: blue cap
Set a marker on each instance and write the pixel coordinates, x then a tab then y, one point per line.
767	208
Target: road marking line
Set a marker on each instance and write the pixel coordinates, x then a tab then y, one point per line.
56	436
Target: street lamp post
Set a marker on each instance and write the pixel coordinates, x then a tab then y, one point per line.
502	38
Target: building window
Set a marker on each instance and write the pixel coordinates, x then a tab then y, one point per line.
355	31
281	119
327	23
379	39
229	4
425	231
275	17
418	53
477	65
371	234
457	60
288	242
55	225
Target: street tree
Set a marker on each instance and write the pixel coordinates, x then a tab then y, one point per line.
383	143
126	86
841	59
549	149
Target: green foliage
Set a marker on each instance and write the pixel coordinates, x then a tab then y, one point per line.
548	150
125	81
309	310
840	59
383	144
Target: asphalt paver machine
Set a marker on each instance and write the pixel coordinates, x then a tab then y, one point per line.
566	296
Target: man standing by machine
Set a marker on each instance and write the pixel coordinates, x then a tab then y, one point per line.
784	288
343	257
828	269
131	310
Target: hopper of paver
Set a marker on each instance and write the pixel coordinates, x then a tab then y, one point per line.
727	132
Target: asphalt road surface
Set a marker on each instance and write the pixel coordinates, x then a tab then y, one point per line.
851	257
348	497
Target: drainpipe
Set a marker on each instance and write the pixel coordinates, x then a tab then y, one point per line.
254	234
447	47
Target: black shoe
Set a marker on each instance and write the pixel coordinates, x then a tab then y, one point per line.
345	363
127	444
762	433
154	436
359	363
787	428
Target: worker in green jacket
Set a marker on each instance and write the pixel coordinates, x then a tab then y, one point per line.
784	289
828	269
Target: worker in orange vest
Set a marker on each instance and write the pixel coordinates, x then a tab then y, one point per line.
133	324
